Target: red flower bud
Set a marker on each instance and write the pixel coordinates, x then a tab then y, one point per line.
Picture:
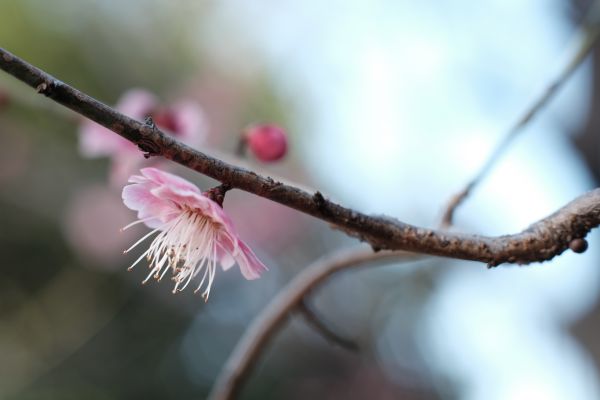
267	142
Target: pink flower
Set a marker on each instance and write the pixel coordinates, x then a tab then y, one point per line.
194	233
183	119
267	142
92	216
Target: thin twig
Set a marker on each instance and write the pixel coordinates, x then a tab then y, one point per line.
316	321
542	241
271	319
585	47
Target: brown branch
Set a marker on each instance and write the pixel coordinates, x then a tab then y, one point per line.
542	241
584	48
265	325
317	323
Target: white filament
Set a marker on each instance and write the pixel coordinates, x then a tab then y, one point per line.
186	245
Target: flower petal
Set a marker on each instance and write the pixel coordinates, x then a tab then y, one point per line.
137	103
97	141
164	178
225	258
191	122
250	266
138	197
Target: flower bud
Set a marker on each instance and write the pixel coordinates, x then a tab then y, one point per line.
267	142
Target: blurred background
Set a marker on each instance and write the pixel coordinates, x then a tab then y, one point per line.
391	106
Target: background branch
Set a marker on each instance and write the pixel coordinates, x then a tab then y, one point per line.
317	322
542	241
590	39
271	319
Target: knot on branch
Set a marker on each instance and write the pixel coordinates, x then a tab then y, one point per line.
148	121
320	202
45	88
578	245
149	147
146	145
217	194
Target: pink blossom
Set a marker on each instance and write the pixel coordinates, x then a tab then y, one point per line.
92	216
194	233
182	119
267	142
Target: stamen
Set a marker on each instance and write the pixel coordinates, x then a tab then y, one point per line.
201	282
141	240
186	245
139	221
148	277
138	260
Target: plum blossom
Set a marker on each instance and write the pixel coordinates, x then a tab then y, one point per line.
194	233
182	119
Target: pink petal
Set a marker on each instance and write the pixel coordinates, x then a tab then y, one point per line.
190	121
137	103
138	197
97	141
225	258
164	178
182	197
230	245
217	214
137	179
227	249
122	167
250	266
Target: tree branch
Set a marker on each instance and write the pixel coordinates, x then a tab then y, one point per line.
585	47
316	321
542	241
265	325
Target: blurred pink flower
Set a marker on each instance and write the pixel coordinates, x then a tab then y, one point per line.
93	215
195	233
183	119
